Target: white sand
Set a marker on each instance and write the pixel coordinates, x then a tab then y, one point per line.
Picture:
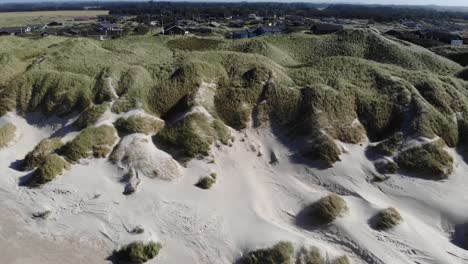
253	204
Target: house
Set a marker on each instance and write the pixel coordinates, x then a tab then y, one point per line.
240	34
214	24
14	31
236	25
108	27
40	27
265	30
321	29
440	35
55	24
254	32
174	30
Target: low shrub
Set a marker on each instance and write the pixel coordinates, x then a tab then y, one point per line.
222	132
387	167
390	145
309	256
52	166
137	252
281	253
341	260
206	182
190	135
90	142
328	208
7	134
38	155
90	116
428	160
323	148
388	218
139	124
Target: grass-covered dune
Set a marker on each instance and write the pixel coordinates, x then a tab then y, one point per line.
319	89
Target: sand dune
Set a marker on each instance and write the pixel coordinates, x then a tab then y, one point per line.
253	204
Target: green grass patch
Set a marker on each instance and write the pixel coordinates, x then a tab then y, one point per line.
137	252
390	145
7	134
206	182
90	116
387	219
193	43
281	253
428	160
52	166
328	208
92	141
148	125
40	152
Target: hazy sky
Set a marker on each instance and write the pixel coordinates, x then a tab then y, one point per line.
396	2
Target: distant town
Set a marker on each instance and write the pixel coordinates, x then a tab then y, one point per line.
242	20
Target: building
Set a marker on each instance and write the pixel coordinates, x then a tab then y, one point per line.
214	24
14	31
440	35
321	29
108	27
55	24
240	34
174	30
265	30
39	27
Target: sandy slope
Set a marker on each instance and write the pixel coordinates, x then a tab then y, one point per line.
253	204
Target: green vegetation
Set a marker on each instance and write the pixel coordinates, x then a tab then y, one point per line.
148	125
137	252
388	218
323	148
92	141
40	152
52	166
328	208
222	132
189	135
206	182
428	160
194	134
390	145
320	89
281	253
456	54
309	256
341	260
193	43
89	116
387	167
7	134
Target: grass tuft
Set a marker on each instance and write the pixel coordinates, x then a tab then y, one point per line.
52	166
40	152
428	160
92	141
206	182
328	208
281	253
137	252
388	218
139	124
7	134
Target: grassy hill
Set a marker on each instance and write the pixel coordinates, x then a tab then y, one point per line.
318	88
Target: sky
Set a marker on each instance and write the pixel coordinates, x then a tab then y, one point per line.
396	2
